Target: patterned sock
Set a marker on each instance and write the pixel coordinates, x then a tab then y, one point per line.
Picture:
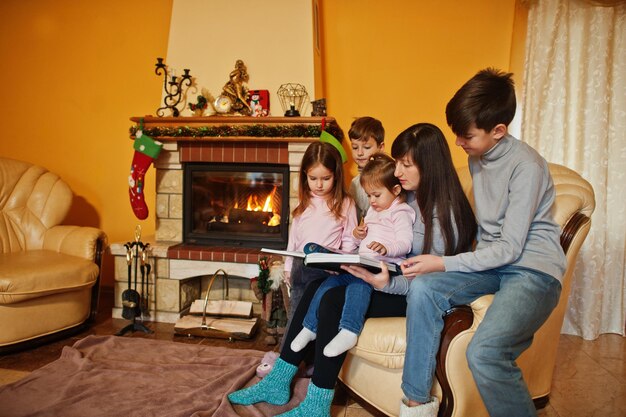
316	404
274	389
302	339
344	341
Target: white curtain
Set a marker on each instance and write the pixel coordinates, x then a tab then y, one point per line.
575	114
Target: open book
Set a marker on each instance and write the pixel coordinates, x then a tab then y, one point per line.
318	256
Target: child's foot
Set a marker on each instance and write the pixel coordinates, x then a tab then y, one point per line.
316	403
302	339
266	364
274	389
428	409
344	341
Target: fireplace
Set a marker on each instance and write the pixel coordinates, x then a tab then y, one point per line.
273	154
236	204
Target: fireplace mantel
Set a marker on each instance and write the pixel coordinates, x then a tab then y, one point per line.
197	122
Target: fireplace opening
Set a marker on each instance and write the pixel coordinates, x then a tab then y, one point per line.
236	204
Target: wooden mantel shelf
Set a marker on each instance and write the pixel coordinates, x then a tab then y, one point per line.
239	121
228	120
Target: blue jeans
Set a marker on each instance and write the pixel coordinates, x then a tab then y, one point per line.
523	301
358	293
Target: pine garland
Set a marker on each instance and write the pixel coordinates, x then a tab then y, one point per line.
255	130
264	282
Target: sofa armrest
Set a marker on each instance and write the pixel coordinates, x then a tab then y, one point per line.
74	240
456	320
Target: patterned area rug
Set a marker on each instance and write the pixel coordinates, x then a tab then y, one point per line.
117	376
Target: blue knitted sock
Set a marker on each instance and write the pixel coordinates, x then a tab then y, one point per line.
316	404
275	388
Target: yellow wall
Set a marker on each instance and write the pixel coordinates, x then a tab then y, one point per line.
72	74
273	38
401	61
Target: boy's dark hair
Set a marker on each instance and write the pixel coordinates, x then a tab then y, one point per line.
439	193
486	100
379	171
367	127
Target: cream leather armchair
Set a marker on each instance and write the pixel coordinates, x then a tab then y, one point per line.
373	369
49	274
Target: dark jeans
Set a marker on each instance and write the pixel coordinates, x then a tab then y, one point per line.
331	306
301	276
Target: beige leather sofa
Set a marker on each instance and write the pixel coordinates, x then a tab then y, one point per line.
373	369
49	274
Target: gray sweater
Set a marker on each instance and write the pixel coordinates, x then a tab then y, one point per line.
514	196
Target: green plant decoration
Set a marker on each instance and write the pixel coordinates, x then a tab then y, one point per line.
264	282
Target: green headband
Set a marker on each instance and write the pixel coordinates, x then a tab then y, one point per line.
331	140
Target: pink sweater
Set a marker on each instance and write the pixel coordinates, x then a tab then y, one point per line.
317	224
393	228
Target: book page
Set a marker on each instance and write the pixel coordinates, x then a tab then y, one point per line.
283	252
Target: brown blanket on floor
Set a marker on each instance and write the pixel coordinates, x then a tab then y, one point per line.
118	376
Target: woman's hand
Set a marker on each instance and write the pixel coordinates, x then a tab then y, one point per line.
378	247
287	278
377	281
422	264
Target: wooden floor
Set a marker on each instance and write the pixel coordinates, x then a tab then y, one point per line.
589	379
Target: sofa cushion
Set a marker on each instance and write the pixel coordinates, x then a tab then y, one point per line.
36	273
383	342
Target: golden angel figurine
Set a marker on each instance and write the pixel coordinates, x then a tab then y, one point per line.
235	89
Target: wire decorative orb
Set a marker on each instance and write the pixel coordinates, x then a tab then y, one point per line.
293	99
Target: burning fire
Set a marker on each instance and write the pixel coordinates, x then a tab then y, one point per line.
253	204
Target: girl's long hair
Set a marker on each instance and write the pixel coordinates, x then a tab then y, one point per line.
325	154
439	190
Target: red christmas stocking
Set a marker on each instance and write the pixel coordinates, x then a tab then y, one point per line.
146	151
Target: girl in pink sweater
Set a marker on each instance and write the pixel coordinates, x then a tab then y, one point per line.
326	215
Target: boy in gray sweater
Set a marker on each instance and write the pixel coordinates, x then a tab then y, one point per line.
517	257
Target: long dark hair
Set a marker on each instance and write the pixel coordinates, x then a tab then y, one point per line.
327	155
439	188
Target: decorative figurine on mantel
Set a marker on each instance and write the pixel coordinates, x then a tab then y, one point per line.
234	97
203	105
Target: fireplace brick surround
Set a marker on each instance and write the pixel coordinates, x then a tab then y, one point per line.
180	271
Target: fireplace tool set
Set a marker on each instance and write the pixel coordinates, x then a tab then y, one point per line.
135	304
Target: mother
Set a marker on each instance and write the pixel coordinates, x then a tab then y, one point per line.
445	225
